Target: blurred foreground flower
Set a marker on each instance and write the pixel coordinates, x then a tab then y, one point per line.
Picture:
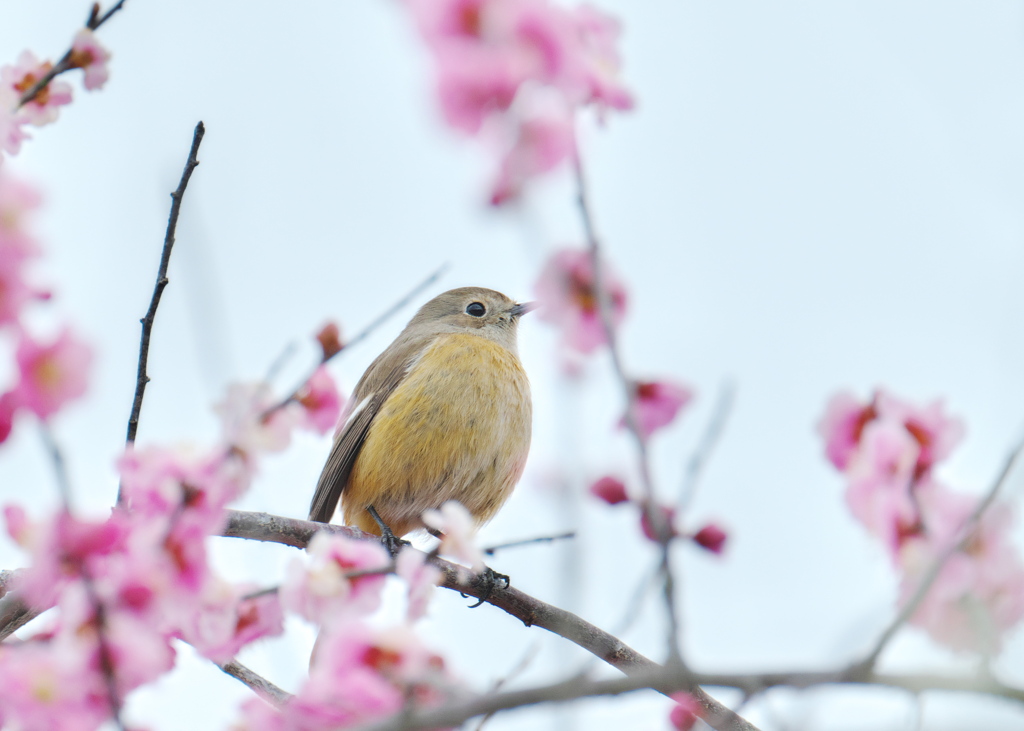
656	404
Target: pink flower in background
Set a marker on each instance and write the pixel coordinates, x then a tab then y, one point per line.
711	538
610	489
17	201
880	473
251	423
663	514
474	84
565	291
228	621
598	36
11	123
14	291
320	588
321	401
458	541
685	713
87	54
542	142
979	594
935	433
8	405
52	374
44	107
657	403
329	337
842	424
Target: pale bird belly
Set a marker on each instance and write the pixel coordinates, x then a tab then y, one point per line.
456	428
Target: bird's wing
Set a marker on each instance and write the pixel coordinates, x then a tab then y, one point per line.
373	389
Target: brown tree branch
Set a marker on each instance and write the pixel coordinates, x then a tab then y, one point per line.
530	611
257	683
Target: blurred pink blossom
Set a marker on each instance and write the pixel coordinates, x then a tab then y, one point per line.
319	587
711	538
250	421
421	577
663	514
565	291
51	375
542	142
685	713
8	404
44	107
227	620
610	489
87	54
11	123
321	401
657	403
458	541
979	594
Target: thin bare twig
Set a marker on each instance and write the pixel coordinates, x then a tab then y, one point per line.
491	550
142	377
658	521
262	687
709	440
363	334
524	662
960	540
65	64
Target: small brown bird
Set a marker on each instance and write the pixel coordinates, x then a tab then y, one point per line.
444	413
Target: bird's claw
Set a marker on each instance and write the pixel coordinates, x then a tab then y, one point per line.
488	580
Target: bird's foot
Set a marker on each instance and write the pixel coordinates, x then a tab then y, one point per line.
392	543
488	580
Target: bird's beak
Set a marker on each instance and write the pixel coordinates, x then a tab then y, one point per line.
522	309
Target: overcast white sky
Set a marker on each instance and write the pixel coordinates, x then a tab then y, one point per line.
810	196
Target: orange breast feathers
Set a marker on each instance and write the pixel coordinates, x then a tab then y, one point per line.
456	428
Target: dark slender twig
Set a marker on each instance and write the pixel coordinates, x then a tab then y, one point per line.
531	611
491	550
60	469
259	685
699	459
658	521
363	334
958	543
142	378
94	21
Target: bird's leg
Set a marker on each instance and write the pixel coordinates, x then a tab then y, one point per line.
391	542
488	580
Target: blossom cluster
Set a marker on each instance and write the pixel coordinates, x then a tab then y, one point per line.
49	371
515	72
20	79
127	585
888	449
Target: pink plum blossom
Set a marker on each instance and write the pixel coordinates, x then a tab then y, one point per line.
665	515
251	422
8	404
711	538
51	374
455	522
44	107
227	620
87	54
421	577
979	594
657	403
598	35
542	142
610	489
17	201
320	587
11	123
565	291
842	424
685	713
320	401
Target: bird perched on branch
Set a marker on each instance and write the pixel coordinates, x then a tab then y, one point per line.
444	413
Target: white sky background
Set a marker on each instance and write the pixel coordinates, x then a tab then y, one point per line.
810	196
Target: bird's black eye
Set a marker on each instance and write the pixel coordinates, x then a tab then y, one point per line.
476	309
